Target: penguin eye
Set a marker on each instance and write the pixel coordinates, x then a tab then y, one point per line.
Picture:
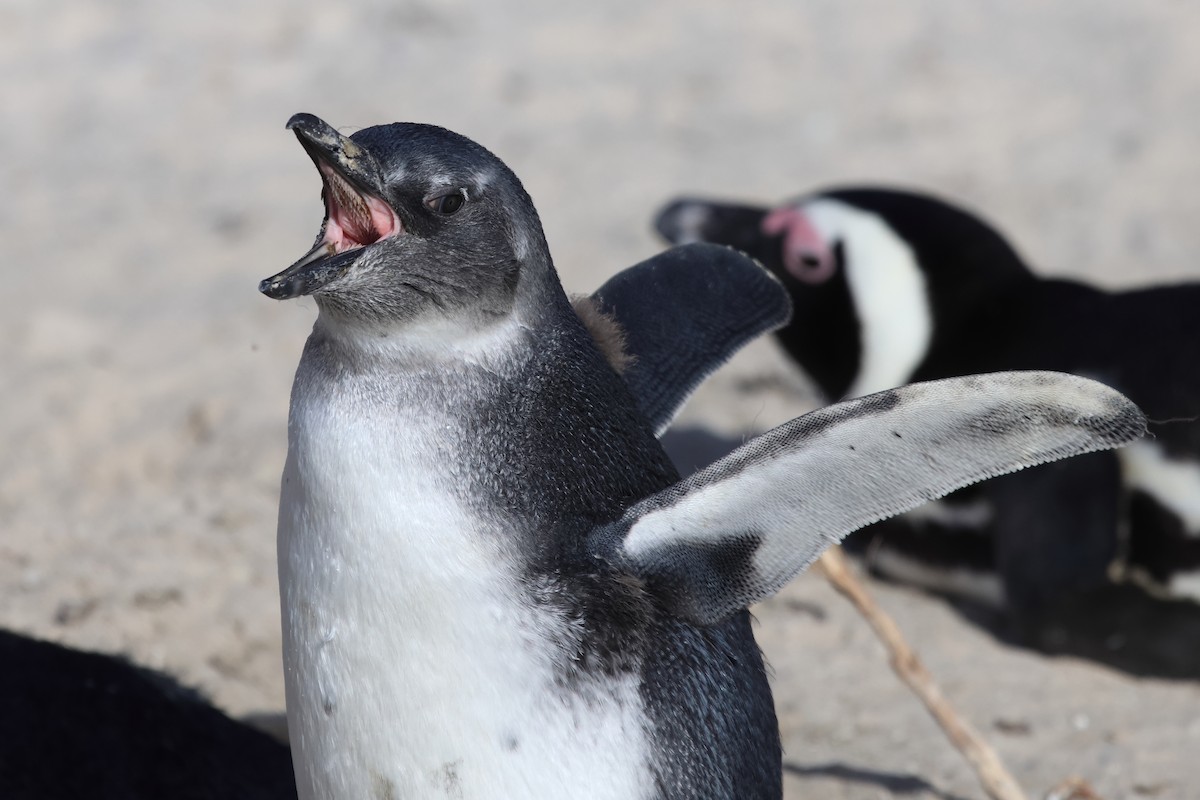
447	204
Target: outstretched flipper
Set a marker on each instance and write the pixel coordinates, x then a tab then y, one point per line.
734	533
684	313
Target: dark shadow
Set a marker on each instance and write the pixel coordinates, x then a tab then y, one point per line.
1126	628
1120	626
80	724
890	781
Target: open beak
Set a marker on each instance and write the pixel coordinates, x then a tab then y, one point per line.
355	213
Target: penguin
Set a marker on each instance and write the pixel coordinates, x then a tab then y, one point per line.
129	732
493	581
892	286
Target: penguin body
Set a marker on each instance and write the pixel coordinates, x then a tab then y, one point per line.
493	581
458	557
74	723
892	286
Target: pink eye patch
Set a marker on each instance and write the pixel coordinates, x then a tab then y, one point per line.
805	254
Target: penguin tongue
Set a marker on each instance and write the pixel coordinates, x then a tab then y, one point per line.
354	219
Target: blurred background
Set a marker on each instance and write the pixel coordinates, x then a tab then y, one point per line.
148	184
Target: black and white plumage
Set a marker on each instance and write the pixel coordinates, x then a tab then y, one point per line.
75	723
892	286
493	582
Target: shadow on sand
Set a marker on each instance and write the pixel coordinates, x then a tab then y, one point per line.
895	784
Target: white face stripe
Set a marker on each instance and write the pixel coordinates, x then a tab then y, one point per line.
1175	483
888	290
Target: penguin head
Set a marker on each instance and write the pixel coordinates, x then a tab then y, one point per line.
419	221
870	272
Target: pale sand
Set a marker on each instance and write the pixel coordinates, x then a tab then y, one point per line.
149	184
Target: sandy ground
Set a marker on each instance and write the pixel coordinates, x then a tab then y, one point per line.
149	184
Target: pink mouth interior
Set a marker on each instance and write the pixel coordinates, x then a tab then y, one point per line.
354	219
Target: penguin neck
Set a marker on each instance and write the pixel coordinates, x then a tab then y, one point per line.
445	335
428	340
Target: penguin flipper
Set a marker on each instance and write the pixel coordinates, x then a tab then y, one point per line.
684	313
737	531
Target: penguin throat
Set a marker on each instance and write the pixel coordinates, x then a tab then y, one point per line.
354	219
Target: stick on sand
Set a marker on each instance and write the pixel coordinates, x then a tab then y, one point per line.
996	780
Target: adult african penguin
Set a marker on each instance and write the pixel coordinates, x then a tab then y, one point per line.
493	581
892	286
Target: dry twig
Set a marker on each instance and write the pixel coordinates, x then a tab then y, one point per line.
1073	789
996	780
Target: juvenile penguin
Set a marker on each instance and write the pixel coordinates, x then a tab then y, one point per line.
493	583
892	286
75	723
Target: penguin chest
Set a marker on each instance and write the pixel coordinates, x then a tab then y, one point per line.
416	664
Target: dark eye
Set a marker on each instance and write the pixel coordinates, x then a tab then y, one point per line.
447	204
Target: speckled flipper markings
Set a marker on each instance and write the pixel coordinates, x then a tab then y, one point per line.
493	583
735	532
